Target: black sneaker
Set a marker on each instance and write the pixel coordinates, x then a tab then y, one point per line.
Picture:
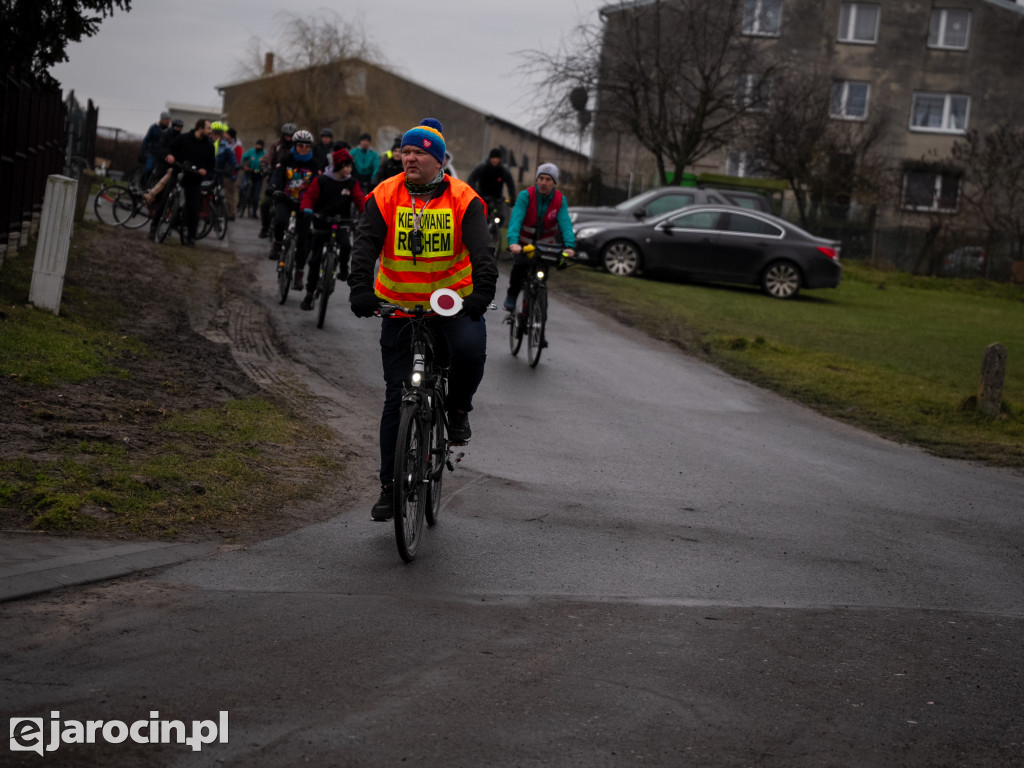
307	303
458	428
384	509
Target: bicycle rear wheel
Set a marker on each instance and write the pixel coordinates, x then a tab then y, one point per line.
105	202
220	219
285	270
535	333
326	284
438	461
516	324
206	217
169	220
130	209
412	464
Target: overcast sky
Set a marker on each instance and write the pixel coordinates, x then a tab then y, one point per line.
179	51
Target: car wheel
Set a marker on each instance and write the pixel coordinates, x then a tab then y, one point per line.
621	258
781	280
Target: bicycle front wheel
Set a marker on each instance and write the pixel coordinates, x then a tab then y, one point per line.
438	461
105	204
169	220
326	285
412	464
516	323
535	334
285	270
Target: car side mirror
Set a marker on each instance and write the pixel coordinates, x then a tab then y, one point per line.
640	213
666	226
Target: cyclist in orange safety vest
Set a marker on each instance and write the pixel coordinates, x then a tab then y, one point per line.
429	231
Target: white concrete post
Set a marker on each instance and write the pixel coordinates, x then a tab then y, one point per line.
55	229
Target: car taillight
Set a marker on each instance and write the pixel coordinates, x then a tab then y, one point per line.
832	253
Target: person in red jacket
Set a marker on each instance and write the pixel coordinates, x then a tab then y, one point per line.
333	193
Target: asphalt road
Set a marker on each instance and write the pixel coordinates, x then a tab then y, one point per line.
642	561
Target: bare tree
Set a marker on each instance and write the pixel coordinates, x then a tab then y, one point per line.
827	162
318	78
664	72
992	189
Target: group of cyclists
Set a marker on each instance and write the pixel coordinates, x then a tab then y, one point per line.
419	229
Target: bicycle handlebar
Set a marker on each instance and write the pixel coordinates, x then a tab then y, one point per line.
384	309
552	253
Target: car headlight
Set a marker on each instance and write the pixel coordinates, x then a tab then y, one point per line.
587	232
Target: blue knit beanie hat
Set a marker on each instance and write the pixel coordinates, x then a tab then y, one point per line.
427	136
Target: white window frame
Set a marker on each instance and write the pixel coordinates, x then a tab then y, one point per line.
744	165
756	22
750	96
847	35
947	112
942	33
935	206
843	88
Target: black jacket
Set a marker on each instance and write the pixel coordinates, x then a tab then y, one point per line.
190	150
489	180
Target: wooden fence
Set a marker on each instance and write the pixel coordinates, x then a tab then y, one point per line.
33	145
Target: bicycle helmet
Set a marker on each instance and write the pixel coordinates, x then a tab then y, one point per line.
217	125
178	122
302	137
288	129
326	132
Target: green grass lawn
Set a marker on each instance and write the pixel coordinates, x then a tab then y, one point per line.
897	354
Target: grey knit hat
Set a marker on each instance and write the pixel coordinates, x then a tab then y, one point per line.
550	169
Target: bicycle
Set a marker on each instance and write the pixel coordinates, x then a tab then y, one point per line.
422	450
286	260
213	211
495	206
173	216
329	262
530	316
245	195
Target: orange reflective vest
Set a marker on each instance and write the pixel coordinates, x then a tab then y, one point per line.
406	279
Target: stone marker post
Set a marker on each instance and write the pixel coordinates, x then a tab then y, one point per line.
55	228
990	389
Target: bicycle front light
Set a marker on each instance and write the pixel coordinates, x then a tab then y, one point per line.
417	378
540	274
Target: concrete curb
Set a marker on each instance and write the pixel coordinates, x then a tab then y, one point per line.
30	568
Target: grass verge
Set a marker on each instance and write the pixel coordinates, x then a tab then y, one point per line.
127	428
893	353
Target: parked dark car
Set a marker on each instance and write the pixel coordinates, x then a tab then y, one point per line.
714	243
655	202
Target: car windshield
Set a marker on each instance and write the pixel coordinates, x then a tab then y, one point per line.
641	200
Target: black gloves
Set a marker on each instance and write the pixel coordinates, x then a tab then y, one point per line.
475	305
364	304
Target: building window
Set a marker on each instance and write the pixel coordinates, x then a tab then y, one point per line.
744	164
752	92
858	22
762	17
930	190
940	112
850	100
950	28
